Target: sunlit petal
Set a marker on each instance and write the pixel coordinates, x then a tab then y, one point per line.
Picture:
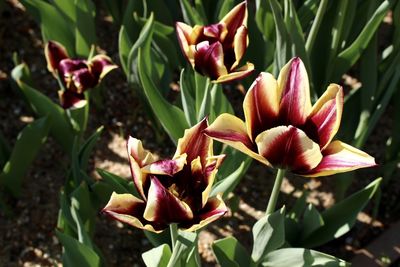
166	166
240	44
240	73
235	18
163	206
209	59
325	116
100	66
128	209
261	105
289	147
213	210
231	130
294	93
340	157
194	143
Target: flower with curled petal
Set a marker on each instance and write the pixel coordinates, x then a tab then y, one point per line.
215	50
76	75
173	190
282	129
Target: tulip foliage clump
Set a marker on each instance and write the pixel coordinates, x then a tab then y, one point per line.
299	118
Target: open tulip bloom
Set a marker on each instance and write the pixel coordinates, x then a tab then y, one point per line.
215	50
282	129
76	75
172	190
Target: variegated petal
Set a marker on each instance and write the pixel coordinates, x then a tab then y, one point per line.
340	157
214	209
231	130
54	53
234	19
71	100
209	59
261	105
294	93
289	147
163	206
240	43
100	66
128	209
166	167
240	73
324	119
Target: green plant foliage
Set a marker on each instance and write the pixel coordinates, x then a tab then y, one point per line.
268	234
339	219
229	252
157	257
299	257
26	147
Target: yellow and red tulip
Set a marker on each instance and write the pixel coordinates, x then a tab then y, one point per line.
283	129
215	50
77	75
173	190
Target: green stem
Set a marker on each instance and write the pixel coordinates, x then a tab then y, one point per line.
275	191
173	227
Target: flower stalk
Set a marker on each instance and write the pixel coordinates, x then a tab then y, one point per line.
275	191
173	227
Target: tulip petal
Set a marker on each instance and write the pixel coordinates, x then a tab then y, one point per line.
340	157
324	119
183	33
214	209
231	130
166	167
138	158
240	73
261	105
215	31
100	66
240	44
195	144
54	53
71	100
210	172
234	19
294	93
83	79
209	59
289	147
163	206
128	209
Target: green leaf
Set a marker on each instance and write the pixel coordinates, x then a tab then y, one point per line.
76	253
117	184
87	148
268	234
228	184
188	104
226	6
282	54
54	24
190	14
351	54
230	253
157	257
43	106
300	257
312	220
26	147
183	246
171	117
85	31
341	217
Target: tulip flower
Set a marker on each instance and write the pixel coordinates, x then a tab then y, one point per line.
172	190
283	130
76	75
215	50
